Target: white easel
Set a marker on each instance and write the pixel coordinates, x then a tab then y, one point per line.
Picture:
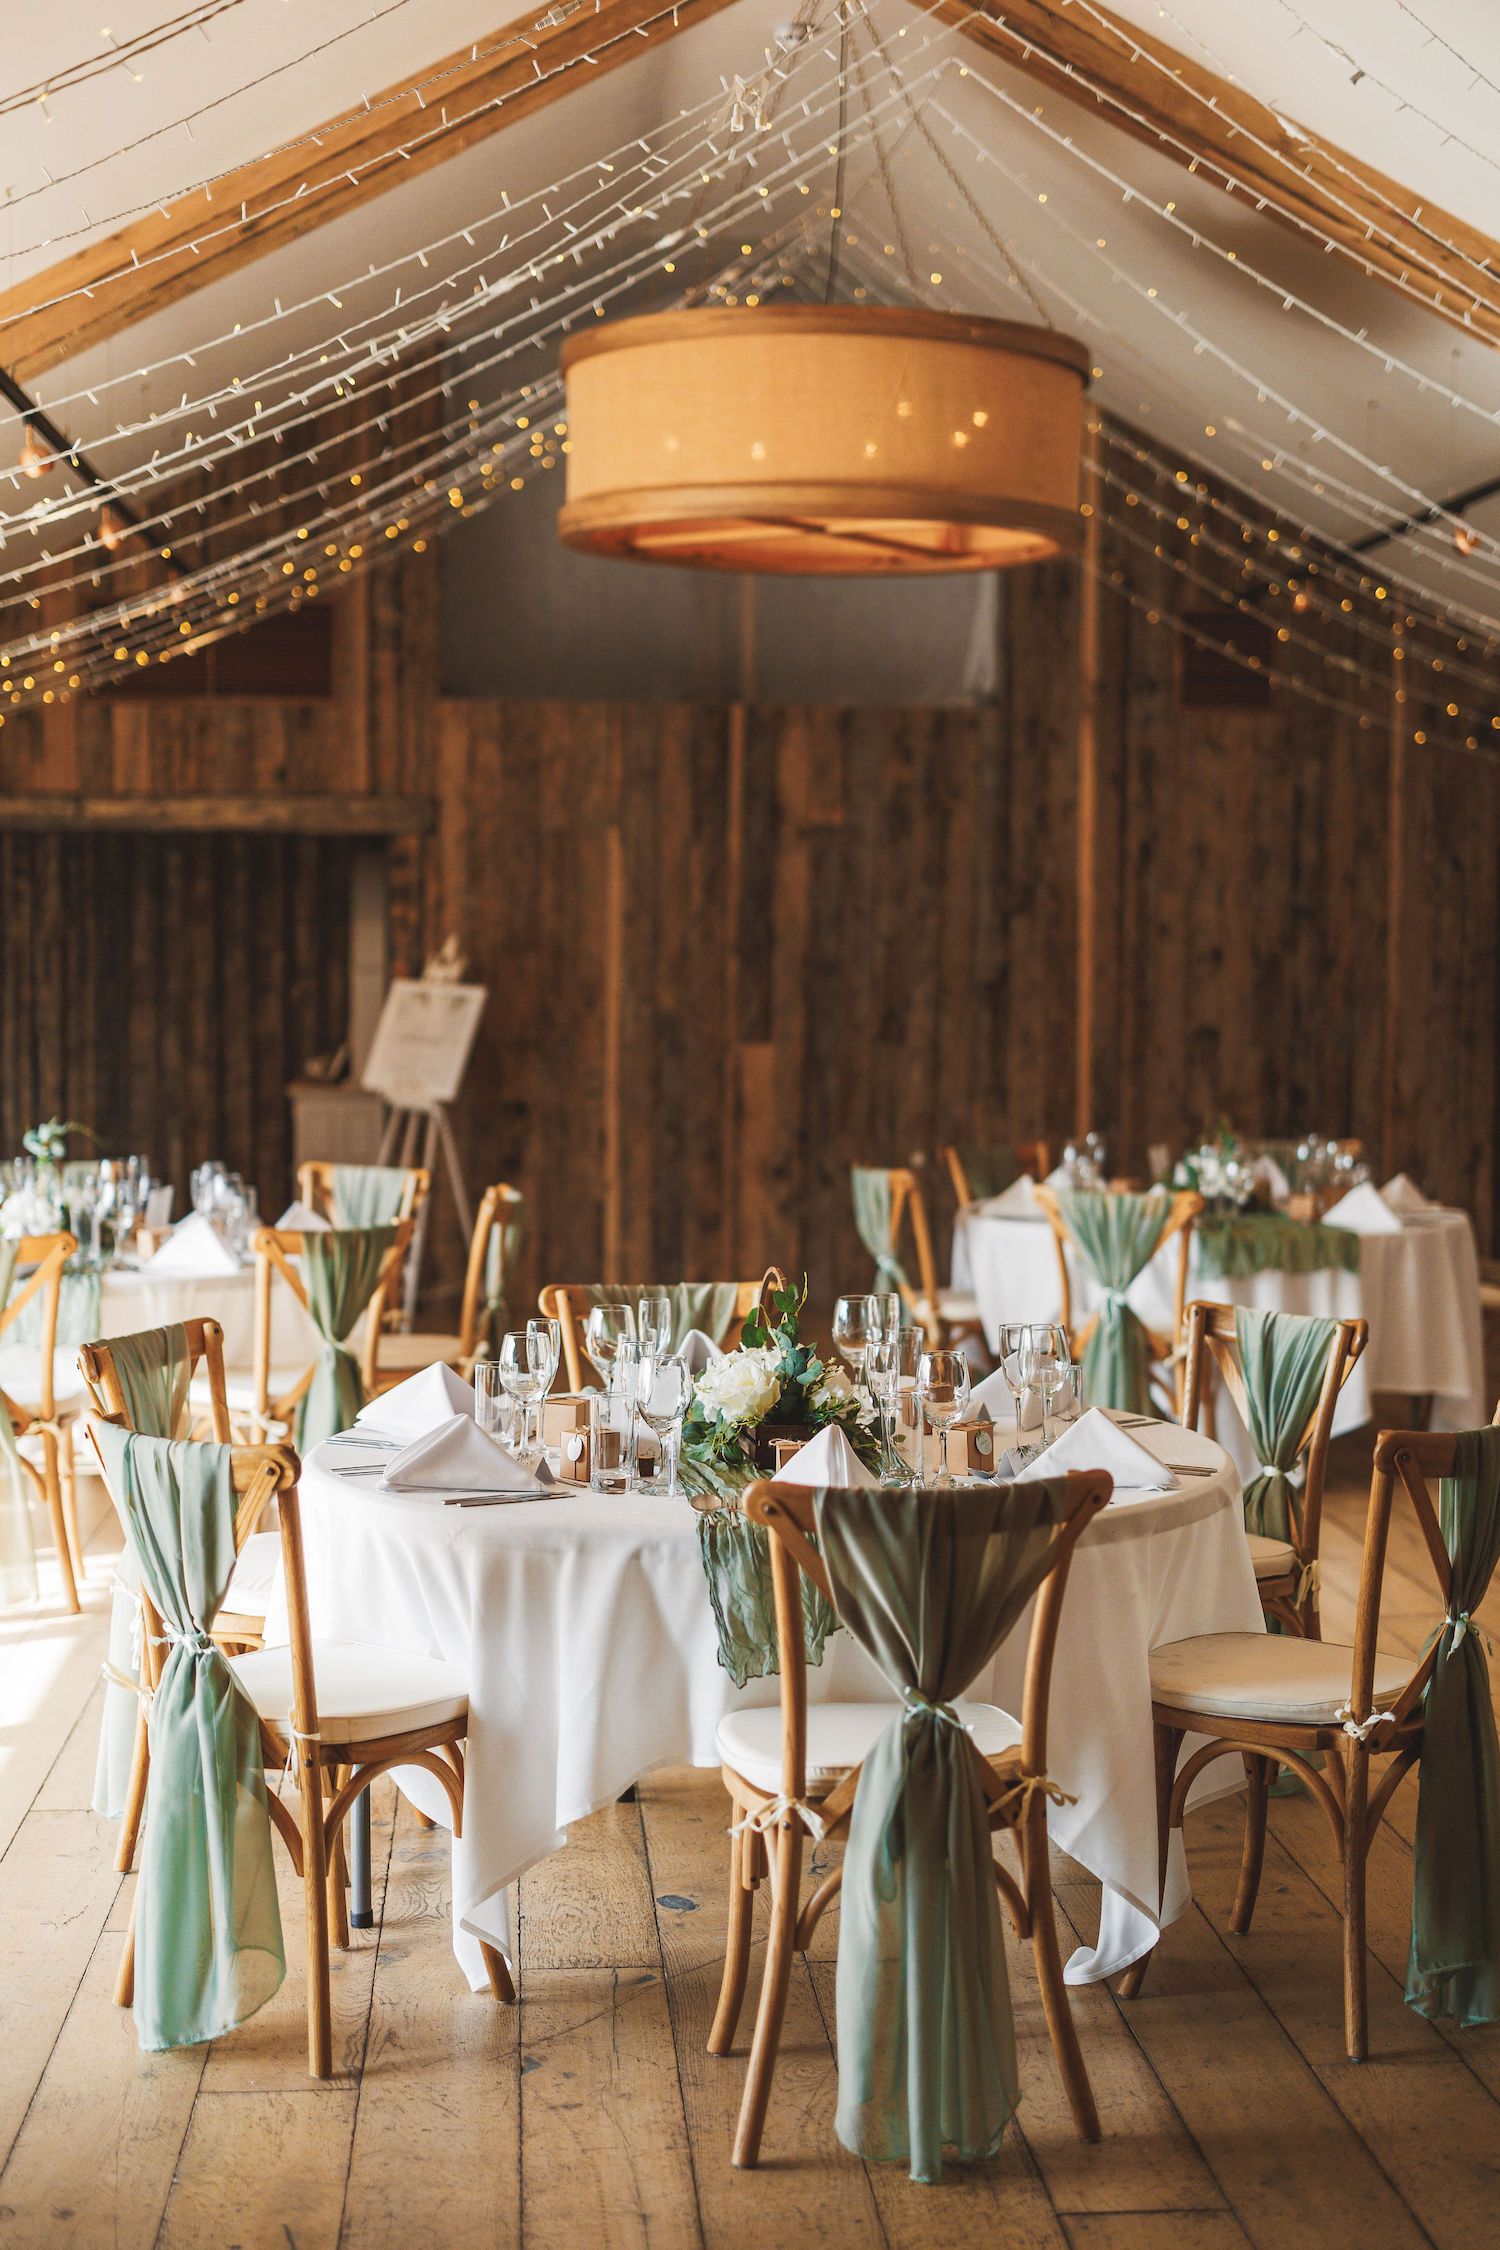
416	1063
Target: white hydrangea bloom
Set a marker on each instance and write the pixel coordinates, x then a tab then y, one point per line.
741	1387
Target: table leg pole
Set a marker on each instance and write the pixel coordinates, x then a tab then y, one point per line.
361	1912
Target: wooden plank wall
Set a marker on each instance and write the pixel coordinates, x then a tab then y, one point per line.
733	950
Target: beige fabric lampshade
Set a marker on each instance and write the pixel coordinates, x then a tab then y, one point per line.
809	438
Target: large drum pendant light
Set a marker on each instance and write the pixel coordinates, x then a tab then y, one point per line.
865	441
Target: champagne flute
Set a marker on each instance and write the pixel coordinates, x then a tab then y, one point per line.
551	1332
1012	1335
608	1327
653	1326
853	1326
888	1309
943	1390
883	1374
665	1390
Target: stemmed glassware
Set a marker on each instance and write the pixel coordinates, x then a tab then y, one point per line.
854	1322
883	1375
525	1370
550	1332
665	1389
653	1326
607	1328
942	1393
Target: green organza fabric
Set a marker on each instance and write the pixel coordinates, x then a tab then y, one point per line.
367	1195
708	1305
152	1367
18	1579
988	1169
1454	1966
736	1558
77	1313
1116	1236
1285	1358
872	1216
340	1269
1248	1242
929	1584
208	1929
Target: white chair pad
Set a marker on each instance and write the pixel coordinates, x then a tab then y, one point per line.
1273	1558
239	1388
21	1377
958	1308
839	1735
363	1691
1273	1676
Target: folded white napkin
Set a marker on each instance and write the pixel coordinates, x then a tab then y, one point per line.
301	1218
1363	1210
699	1351
995	1393
419	1404
827	1459
1402	1194
1267	1173
194	1247
1095	1442
1018	1201
1058	1177
458	1458
158	1209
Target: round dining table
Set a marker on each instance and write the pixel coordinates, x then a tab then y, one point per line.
583	1624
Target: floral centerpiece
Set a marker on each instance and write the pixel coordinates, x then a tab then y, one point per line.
773	1386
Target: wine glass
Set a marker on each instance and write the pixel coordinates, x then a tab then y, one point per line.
1062	1399
665	1390
608	1327
524	1370
943	1392
883	1375
853	1325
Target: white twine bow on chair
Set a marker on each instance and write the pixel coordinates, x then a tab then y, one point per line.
772	1814
1360	1730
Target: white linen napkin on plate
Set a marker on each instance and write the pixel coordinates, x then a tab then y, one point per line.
1363	1210
1018	1201
301	1218
194	1247
827	1459
459	1458
1402	1195
699	1351
996	1394
1095	1442
410	1409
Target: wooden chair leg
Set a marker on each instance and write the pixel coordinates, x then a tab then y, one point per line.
338	1902
497	1969
1258	1789
773	1991
135	1795
1356	1801
1167	1742
68	1479
52	1484
737	1951
1049	1970
125	1976
315	1901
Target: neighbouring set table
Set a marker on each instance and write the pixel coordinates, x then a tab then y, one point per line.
584	1625
1418	1287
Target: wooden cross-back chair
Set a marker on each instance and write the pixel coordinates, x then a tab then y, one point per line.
1323	1710
275	1391
46	1255
1286	1570
1034	1157
820	1753
946	1316
334	1716
315	1186
1182	1215
571	1302
401	1354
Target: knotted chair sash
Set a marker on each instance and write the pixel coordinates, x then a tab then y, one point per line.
1454	1967
873	1214
208	1928
989	1169
153	1370
1116	1236
1284	1358
18	1579
709	1305
77	1313
366	1195
340	1269
929	1584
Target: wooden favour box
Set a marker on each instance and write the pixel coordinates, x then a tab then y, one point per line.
973	1449
562	1412
574	1465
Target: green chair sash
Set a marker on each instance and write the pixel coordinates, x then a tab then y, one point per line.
77	1312
709	1305
929	1583
208	1928
340	1269
1116	1237
1453	1970
1232	1246
152	1367
872	1216
367	1195
1285	1359
18	1578
736	1558
989	1169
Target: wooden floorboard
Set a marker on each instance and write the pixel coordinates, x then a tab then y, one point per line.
592	2114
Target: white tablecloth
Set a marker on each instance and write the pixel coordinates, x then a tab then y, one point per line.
1418	1289
584	1626
134	1299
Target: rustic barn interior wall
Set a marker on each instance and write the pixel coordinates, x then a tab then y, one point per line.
733	948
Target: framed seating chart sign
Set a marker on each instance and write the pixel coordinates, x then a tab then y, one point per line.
423	1040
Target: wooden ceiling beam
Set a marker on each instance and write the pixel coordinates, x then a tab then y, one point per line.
437	114
1224	135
